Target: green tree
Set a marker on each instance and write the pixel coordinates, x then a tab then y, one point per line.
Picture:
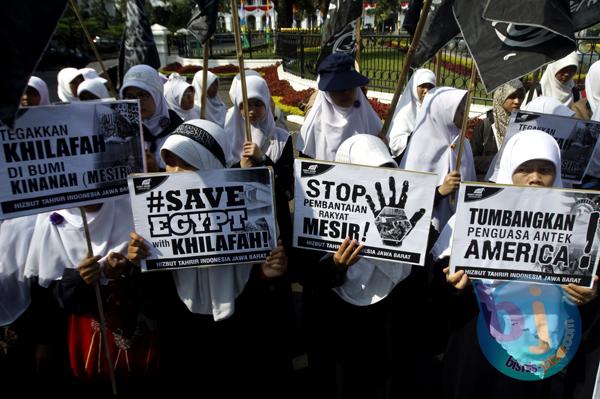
384	10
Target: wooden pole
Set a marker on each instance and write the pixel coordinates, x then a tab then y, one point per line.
465	121
103	333
534	82
405	69
438	68
111	87
204	81
240	57
358	46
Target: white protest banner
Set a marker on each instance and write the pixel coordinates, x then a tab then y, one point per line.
526	234
575	137
334	201
68	155
209	218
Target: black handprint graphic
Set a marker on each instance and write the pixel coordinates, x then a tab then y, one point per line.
391	220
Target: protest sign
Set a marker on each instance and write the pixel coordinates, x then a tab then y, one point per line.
335	201
212	218
64	156
575	137
544	235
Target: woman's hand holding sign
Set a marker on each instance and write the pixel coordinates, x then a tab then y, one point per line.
458	280
137	249
347	253
277	262
582	295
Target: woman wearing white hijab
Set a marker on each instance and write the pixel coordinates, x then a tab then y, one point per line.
557	80
92	89
403	121
143	83
531	158
340	111
180	97
592	90
225	326
36	93
270	141
434	147
58	258
215	107
68	81
354	325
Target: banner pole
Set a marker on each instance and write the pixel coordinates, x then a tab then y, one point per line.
405	69
240	57
358	46
90	253
204	81
438	67
534	82
465	120
111	87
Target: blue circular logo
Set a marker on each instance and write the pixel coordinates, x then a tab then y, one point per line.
527	331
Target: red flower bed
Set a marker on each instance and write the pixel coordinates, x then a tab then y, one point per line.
192	69
380	108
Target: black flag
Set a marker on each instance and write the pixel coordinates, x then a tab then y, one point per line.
585	13
339	32
439	29
203	23
504	51
137	45
26	29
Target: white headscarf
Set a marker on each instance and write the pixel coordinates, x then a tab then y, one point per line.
210	290
549	105
369	280
328	125
146	78
42	89
215	107
58	242
96	86
174	89
520	148
433	146
65	76
552	87
90	73
592	89
403	121
15	238
236	81
268	137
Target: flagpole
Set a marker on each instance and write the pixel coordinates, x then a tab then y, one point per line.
465	120
240	57
111	87
405	69
358	46
103	333
204	81
534	82
438	67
